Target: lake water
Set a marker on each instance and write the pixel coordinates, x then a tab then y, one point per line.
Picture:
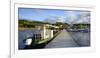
81	38
23	34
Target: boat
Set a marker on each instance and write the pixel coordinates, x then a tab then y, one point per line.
41	37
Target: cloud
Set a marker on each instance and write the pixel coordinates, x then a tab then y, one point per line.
77	17
71	16
50	19
84	17
60	19
54	19
39	11
83	20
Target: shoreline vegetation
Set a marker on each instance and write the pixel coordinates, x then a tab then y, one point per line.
22	28
26	24
34	25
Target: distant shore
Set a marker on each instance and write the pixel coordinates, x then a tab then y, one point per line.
22	28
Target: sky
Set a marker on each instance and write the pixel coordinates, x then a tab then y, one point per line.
54	15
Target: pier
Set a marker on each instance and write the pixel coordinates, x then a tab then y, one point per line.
64	39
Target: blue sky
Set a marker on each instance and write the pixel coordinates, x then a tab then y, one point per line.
39	14
43	14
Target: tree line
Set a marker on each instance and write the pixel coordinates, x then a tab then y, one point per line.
32	24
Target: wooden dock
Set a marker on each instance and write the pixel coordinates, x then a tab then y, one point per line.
64	39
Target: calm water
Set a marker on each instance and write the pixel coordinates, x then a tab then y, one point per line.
23	34
81	38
